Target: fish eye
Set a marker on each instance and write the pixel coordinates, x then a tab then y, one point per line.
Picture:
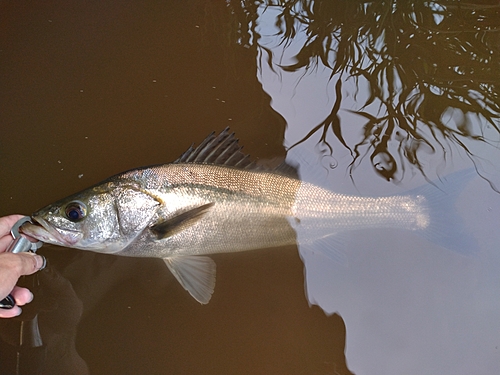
75	211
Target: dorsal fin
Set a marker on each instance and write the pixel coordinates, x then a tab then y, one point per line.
222	149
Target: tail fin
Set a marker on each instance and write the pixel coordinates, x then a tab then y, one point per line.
446	227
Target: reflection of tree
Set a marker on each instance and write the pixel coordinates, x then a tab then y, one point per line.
422	60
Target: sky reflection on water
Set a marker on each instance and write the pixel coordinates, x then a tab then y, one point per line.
407	303
87	96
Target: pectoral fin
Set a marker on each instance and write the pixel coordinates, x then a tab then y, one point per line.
195	273
180	222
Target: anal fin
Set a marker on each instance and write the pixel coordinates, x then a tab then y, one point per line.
196	274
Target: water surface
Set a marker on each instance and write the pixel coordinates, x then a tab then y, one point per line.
372	99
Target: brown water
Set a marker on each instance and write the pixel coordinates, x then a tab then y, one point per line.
91	89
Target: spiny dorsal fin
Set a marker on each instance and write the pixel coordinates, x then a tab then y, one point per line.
222	149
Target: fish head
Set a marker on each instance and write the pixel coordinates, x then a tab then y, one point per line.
103	219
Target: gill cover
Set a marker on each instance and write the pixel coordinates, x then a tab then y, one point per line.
135	209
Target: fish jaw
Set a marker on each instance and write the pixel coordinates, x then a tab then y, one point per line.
43	231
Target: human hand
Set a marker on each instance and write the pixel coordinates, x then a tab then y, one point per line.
13	266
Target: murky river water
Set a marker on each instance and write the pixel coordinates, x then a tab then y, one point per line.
369	94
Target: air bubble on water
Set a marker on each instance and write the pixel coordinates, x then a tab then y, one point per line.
329	162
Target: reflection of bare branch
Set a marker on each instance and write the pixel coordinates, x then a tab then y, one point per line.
332	121
420	59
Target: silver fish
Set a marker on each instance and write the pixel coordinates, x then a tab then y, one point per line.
212	200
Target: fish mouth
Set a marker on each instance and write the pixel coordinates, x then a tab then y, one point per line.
41	230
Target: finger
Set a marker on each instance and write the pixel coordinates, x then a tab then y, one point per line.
22	295
5	242
16	265
15	311
6	223
12	266
30	263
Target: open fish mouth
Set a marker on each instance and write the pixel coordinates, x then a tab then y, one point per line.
41	230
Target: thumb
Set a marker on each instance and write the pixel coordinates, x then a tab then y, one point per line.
12	266
30	263
16	265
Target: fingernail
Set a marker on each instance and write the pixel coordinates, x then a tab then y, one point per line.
41	262
31	297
